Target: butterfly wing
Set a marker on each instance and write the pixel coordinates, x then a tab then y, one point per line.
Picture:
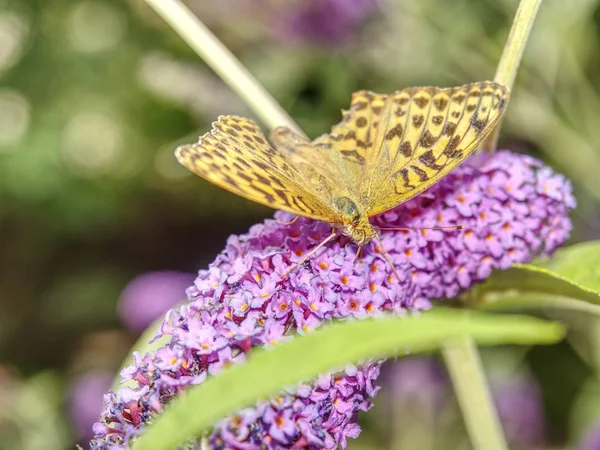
236	156
352	144
317	164
401	144
442	128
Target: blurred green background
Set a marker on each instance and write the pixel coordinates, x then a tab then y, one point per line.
96	94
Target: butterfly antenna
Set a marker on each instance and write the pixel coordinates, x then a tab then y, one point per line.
309	254
387	257
449	227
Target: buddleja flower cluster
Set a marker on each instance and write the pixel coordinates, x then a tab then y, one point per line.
512	208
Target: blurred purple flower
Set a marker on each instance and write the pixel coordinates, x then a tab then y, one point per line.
241	301
419	391
415	382
85	401
150	295
591	440
519	403
324	22
418	403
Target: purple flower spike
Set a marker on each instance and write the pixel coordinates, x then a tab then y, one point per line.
511	207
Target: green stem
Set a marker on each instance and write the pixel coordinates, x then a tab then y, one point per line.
463	363
506	72
461	356
223	62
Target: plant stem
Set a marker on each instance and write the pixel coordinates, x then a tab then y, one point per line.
510	60
461	356
223	62
463	363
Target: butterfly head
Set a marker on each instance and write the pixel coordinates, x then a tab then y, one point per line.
354	221
361	233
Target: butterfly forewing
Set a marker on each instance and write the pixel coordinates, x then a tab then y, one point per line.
236	156
409	140
442	128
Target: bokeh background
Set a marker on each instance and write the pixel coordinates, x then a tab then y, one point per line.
101	230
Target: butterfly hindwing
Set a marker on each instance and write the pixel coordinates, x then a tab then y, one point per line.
236	156
352	142
317	165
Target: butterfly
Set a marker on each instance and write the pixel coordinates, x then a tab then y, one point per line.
386	150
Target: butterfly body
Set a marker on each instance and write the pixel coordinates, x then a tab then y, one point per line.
354	222
386	150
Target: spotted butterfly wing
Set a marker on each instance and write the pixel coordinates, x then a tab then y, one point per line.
396	146
236	156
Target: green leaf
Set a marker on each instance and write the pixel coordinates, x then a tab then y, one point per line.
329	348
570	280
579	263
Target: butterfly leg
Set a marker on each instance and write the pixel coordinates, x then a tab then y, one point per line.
291	222
387	258
311	253
358	253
